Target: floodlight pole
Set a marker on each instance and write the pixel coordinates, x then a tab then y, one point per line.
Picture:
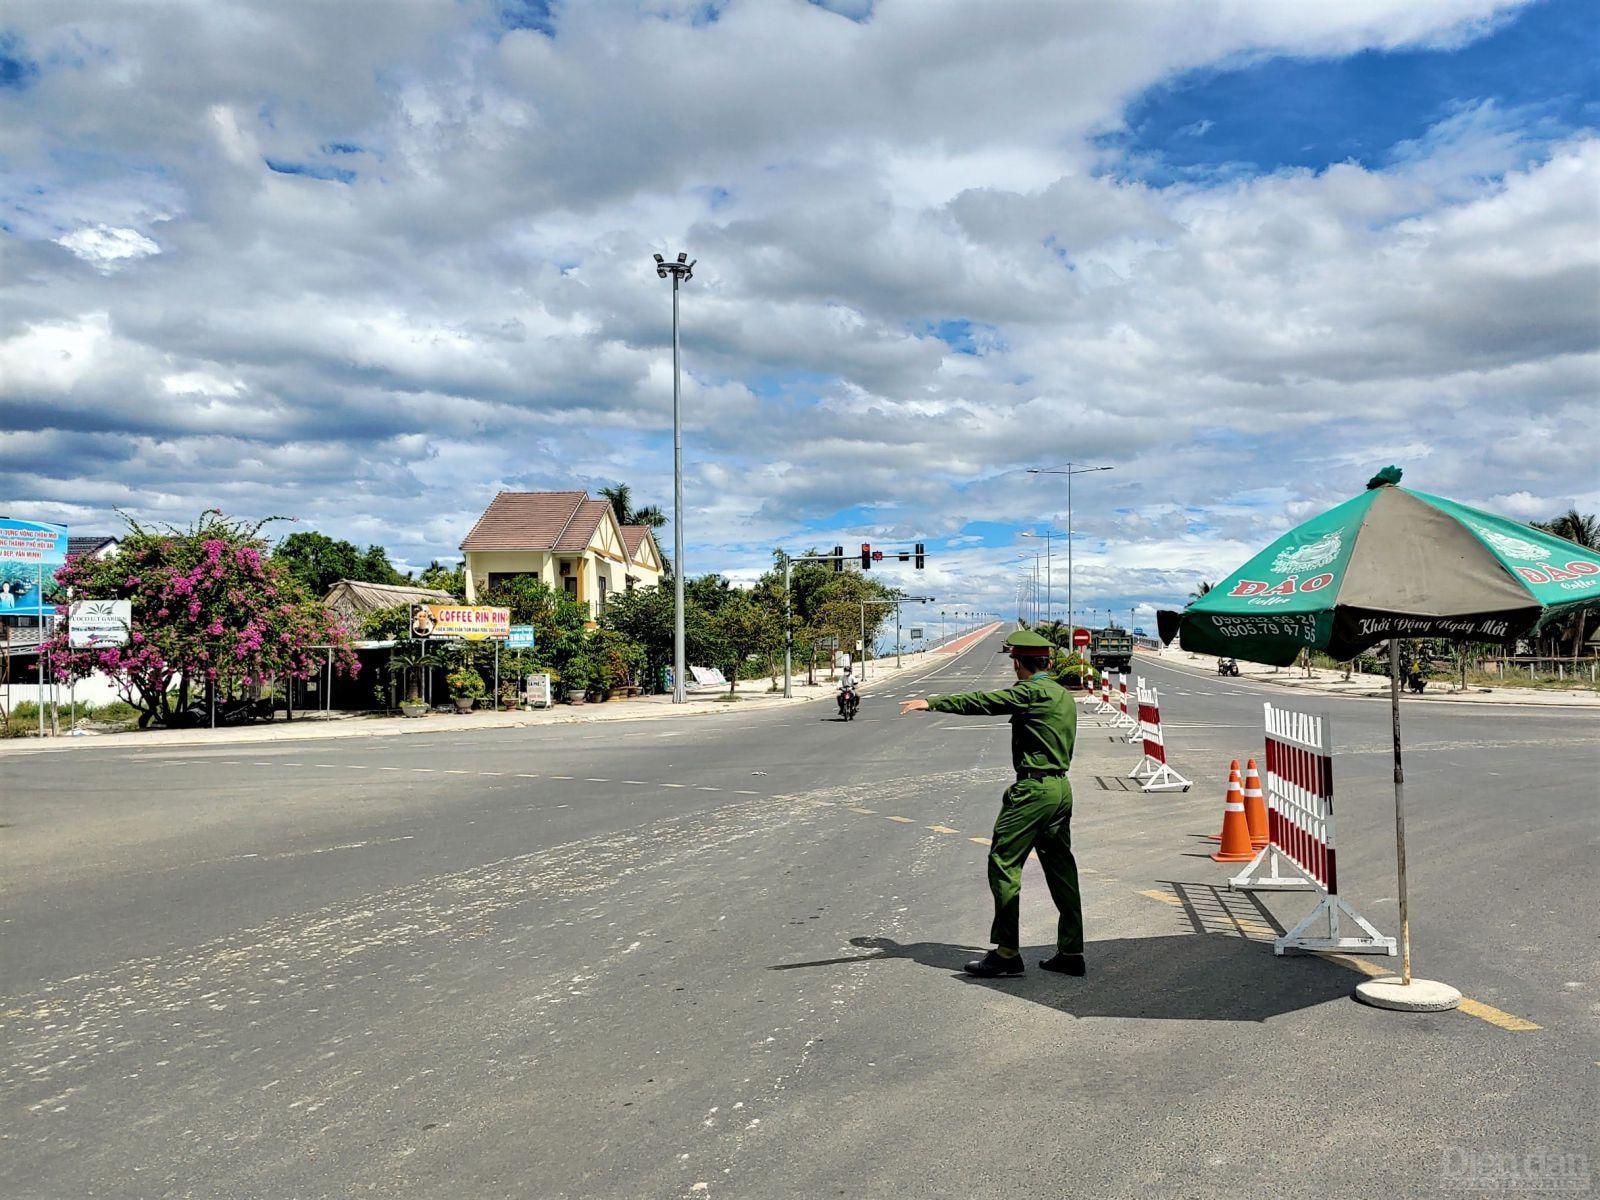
681	271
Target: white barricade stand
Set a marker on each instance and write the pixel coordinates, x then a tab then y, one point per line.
1122	719
1105	705
1300	830
1136	726
1152	770
1091	696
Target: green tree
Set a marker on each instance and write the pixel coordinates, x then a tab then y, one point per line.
744	627
445	579
1584	530
319	561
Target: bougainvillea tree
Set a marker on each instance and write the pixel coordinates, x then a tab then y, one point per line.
209	607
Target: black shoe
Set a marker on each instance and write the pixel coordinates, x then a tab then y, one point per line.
1066	964
992	964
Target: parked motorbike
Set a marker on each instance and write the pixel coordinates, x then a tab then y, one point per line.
1227	666
1415	682
849	701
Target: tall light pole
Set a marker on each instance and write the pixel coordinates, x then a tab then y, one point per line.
681	272
1046	535
1069	470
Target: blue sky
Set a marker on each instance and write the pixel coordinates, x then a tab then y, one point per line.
273	258
1282	112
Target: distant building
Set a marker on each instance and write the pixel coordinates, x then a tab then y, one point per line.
352	599
95	545
570	542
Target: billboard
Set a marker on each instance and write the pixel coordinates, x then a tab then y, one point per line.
470	623
30	551
100	623
522	637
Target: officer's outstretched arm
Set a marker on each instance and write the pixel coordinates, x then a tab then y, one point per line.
979	704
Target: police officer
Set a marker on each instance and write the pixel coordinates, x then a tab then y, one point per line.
1036	811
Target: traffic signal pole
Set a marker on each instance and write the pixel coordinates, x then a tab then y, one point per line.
868	557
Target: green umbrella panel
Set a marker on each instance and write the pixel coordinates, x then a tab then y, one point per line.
1389	563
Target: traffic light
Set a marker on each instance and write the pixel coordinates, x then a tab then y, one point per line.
920	562
838	558
866	556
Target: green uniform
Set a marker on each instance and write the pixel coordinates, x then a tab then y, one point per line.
1036	811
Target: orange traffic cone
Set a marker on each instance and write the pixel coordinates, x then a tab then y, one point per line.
1233	769
1235	830
1255	805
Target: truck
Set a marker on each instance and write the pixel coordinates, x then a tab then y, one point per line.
1112	649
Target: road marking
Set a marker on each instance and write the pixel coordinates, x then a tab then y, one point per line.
452	771
866	812
592	779
943	829
353	766
1473	1008
980	841
525	775
496	773
638	782
703	788
671	785
391	768
744	792
424	770
561	777
903	820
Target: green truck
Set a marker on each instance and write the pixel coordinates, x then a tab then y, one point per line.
1112	649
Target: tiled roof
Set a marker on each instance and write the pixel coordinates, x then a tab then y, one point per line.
526	520
351	597
88	543
581	531
632	535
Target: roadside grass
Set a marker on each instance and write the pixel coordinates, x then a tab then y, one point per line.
23	719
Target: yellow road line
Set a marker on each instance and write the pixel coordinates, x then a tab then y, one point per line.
903	820
943	829
1487	1012
980	841
1473	1008
865	812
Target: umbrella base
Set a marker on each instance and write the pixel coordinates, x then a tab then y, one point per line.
1420	995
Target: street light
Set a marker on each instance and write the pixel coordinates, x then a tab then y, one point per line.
681	272
1049	615
1069	470
1035	584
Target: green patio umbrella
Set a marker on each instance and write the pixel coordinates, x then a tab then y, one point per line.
1390	564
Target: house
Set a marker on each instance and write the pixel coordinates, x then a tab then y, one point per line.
352	599
96	545
570	542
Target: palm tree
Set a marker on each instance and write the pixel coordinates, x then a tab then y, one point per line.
621	498
1582	529
1201	589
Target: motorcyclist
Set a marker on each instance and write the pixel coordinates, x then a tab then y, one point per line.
847	688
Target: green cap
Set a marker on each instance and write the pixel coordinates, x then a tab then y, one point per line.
1028	644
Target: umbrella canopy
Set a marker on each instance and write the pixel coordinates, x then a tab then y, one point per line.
1389	563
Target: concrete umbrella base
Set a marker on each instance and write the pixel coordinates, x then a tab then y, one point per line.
1420	995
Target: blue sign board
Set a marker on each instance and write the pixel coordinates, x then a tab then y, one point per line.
30	551
521	638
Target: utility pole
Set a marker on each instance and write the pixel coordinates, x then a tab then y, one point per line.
681	272
1069	470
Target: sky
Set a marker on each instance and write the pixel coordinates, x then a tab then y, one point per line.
366	264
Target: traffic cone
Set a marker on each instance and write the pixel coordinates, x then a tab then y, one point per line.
1235	831
1255	806
1233	769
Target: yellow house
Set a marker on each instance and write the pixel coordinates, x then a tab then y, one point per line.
569	541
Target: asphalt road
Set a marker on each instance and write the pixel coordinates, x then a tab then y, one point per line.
721	957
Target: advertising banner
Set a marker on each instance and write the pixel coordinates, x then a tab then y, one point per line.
472	624
100	623
521	638
29	550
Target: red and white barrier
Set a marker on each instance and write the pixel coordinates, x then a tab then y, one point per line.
1135	726
1088	696
1122	720
1300	830
1152	770
1105	705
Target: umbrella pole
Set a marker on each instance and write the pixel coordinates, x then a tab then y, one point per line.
1399	812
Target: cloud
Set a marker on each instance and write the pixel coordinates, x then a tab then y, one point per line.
366	272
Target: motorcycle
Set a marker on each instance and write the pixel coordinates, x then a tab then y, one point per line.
849	701
1227	666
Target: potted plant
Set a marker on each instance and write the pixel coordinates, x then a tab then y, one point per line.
410	666
576	680
466	688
